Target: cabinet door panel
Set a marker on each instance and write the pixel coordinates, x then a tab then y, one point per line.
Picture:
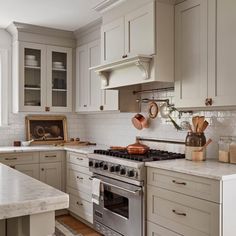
222	53
156	230
140	31
82	78
32	79
113	41
191	53
50	174
110	100
29	169
59	79
94	81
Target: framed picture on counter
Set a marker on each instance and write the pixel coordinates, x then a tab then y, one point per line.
46	129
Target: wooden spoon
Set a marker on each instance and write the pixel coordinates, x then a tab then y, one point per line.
204	126
201	120
195	123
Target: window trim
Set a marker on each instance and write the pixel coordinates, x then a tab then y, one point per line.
4	81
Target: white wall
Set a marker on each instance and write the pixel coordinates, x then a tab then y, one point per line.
117	129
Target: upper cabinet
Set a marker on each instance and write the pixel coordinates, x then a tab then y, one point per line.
42	69
89	96
127	36
205	52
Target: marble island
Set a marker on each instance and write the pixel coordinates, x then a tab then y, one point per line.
27	204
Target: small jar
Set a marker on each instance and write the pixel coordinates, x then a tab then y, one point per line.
193	143
232	151
224	148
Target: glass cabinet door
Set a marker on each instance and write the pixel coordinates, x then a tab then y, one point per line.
32	77
60	76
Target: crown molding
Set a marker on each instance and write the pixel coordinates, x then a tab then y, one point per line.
107	5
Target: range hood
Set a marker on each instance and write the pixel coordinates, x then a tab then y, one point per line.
126	72
137	70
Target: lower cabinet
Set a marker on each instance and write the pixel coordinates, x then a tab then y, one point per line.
172	211
44	166
29	169
50	173
78	186
156	230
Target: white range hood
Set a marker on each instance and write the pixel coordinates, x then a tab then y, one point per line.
126	72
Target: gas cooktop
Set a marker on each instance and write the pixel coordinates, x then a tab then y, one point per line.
151	155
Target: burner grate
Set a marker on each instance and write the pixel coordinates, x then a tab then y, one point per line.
151	155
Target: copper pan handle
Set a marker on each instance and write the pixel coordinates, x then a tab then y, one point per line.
119	148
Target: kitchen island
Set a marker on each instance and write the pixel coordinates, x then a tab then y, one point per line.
27	206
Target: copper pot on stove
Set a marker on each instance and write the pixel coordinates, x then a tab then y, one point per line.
135	148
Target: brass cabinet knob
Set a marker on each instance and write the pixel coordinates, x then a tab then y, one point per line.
208	102
125	56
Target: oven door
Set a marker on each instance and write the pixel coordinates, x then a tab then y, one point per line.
120	207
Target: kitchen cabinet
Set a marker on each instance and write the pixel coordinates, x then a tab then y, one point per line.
205	53
79	186
42	78
50	173
29	169
127	35
178	209
89	96
191	37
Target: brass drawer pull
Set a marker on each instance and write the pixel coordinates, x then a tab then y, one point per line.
10	158
180	183
79	159
79	204
179	213
50	156
13	167
90	178
81	178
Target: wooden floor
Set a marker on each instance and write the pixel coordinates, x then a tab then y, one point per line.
77	226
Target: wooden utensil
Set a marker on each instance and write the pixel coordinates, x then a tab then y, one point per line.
205	146
201	120
204	126
195	123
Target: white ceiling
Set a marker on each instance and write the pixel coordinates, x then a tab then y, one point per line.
61	14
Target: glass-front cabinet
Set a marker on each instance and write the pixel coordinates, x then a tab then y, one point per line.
59	75
45	78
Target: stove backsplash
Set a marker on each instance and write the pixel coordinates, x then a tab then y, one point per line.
117	129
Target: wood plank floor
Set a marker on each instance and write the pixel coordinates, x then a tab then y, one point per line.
77	225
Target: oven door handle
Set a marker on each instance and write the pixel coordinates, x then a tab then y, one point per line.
135	192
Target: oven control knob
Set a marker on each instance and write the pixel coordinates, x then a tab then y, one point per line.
90	163
117	168
101	164
112	169
96	165
105	167
131	173
122	171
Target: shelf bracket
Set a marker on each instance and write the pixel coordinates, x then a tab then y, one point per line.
104	75
144	67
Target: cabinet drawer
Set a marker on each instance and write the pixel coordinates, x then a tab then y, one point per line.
183	214
29	169
20	158
78	159
78	180
204	188
81	208
156	230
50	157
82	195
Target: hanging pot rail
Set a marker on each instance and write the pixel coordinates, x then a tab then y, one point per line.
147	100
154	90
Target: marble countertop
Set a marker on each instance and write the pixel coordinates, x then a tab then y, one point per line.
22	195
208	169
79	149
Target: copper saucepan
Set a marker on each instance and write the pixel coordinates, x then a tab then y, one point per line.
139	121
135	148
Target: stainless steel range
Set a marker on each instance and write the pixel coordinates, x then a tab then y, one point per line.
121	208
